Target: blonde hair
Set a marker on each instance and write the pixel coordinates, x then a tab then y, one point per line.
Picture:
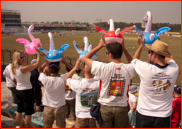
16	57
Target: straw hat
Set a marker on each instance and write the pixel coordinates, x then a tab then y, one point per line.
160	48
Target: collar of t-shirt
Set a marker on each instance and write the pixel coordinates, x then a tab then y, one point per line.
88	80
57	75
157	65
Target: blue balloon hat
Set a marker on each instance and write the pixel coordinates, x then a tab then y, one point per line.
54	55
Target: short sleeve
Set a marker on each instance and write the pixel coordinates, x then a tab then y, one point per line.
99	69
134	99
5	71
139	66
42	77
73	84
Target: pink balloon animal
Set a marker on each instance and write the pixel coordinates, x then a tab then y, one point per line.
112	35
30	46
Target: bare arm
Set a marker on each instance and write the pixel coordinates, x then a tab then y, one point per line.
134	107
167	59
87	58
77	66
31	67
128	56
66	63
141	42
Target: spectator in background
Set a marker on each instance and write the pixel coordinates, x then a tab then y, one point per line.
11	85
157	79
133	105
36	86
70	95
176	108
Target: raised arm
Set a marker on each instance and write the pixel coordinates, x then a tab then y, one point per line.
31	67
128	56
66	63
77	66
167	59
42	67
141	42
87	58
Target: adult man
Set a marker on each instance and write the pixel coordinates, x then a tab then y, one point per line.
87	91
156	86
8	75
115	77
176	108
36	86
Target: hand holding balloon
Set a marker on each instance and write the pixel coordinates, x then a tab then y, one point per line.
141	40
102	42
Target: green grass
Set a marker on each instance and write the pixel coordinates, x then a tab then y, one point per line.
9	42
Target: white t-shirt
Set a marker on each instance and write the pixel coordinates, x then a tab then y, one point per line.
23	80
87	92
54	94
9	76
132	98
156	88
115	82
69	93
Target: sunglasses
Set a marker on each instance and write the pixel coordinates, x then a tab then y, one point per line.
149	51
21	57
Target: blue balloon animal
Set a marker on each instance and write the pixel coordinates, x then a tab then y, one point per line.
87	48
54	55
148	35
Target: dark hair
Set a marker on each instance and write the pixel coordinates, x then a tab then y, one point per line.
78	71
161	56
54	67
115	49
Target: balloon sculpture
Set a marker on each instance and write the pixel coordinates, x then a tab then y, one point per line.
53	55
30	46
148	35
112	35
87	48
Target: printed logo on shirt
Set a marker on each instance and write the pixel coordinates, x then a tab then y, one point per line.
88	97
68	90
160	83
116	86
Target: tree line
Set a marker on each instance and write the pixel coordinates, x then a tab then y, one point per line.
155	26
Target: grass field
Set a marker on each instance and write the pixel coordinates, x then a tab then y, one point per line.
9	42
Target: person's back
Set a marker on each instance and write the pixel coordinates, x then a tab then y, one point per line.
7	73
87	92
54	90
115	77
157	79
54	97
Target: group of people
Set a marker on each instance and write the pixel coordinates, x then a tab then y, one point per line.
102	101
